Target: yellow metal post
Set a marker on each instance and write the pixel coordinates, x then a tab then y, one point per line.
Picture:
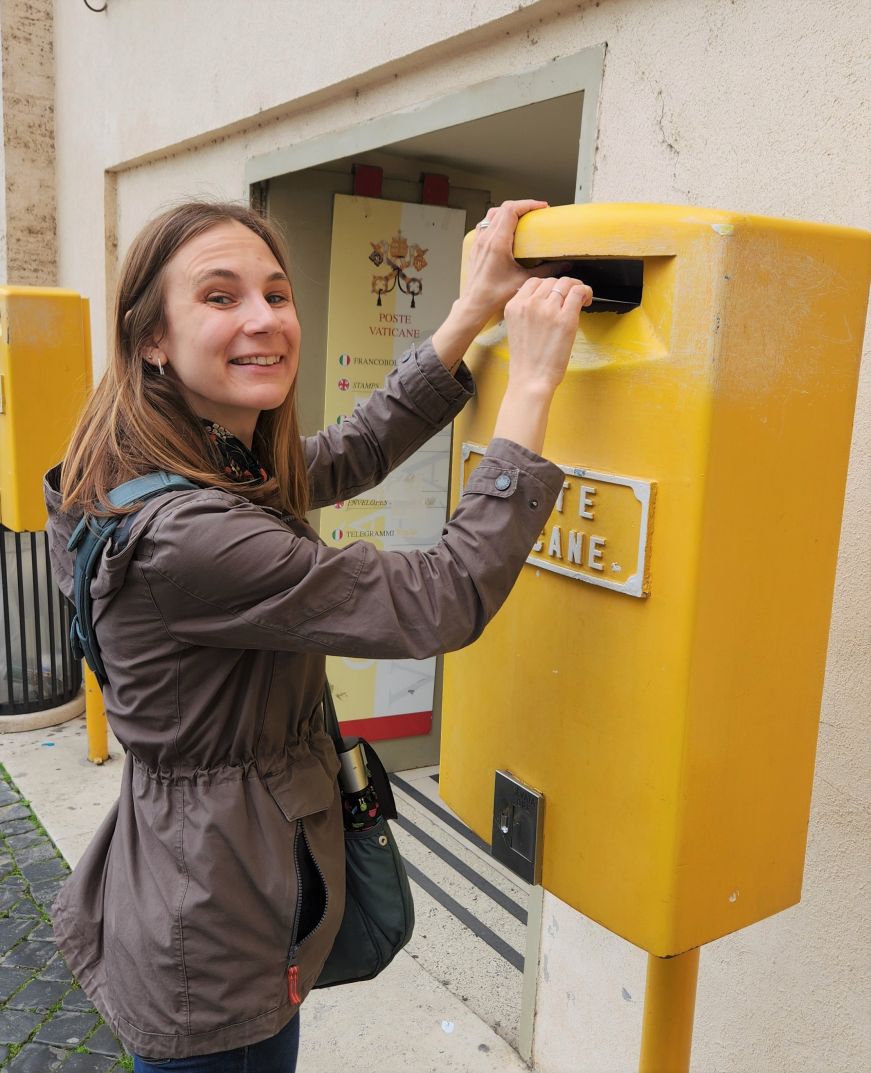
669	1005
95	719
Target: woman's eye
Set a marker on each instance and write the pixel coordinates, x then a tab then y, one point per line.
277	298
219	299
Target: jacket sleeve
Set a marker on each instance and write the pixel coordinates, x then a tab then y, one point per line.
419	398
227	574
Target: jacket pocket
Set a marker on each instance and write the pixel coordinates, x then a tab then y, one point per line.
302	789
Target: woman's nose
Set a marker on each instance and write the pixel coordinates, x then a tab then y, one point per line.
261	317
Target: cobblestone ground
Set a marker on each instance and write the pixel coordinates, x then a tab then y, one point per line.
46	1023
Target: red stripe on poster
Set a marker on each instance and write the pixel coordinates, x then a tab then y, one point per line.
388	726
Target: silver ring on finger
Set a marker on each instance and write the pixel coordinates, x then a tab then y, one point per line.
556	290
483	224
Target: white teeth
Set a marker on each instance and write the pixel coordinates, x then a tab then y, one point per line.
272	359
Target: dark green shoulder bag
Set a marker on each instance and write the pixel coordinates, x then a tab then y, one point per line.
379	912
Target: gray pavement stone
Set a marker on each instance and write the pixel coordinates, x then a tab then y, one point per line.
25	908
41	851
16	1025
4	1050
45	893
39	995
18	827
25	840
43	931
56	970
88	1063
103	1042
7	794
12	929
11	980
40	871
36	1058
66	1029
29	955
12	890
77	1000
10	813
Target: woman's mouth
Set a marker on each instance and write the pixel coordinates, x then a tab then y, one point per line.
258	359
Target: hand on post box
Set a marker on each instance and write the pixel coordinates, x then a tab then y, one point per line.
542	320
492	277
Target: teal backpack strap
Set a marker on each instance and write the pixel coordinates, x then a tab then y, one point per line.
88	540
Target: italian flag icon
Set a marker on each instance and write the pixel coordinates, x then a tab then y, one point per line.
344	359
338	534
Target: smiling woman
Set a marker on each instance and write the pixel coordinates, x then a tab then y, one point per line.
201	286
231	335
205	908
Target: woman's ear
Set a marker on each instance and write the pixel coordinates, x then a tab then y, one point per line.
155	357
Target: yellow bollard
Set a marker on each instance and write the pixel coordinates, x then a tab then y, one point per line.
95	718
669	1005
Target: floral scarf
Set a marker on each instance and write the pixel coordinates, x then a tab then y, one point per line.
239	463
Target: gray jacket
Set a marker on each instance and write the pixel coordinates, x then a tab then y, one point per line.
183	917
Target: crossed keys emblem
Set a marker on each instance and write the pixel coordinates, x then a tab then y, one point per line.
398	256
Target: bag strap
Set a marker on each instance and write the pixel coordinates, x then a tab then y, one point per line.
377	775
88	540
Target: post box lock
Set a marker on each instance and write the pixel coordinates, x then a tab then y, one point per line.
517	820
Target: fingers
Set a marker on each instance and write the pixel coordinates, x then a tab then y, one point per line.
526	291
572	293
484	223
525	206
578	298
502	219
566	292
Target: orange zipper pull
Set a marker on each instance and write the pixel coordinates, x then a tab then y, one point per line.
293	984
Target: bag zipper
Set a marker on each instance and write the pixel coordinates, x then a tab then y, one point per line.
292	967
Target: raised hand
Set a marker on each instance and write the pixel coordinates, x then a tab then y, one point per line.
492	275
542	320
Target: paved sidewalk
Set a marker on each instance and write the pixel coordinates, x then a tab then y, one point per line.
46	1023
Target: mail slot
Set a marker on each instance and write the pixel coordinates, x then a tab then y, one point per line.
656	673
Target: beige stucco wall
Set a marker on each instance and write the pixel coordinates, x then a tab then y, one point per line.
28	250
757	105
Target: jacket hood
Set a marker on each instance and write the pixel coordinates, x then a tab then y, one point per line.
59	529
112	569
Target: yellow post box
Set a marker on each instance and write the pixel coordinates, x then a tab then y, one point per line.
45	378
656	673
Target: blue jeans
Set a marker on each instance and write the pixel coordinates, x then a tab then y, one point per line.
275	1055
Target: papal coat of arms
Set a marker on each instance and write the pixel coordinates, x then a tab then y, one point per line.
399	256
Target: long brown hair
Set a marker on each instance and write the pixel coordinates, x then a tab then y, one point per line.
137	421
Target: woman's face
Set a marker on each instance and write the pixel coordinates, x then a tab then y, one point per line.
227	301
